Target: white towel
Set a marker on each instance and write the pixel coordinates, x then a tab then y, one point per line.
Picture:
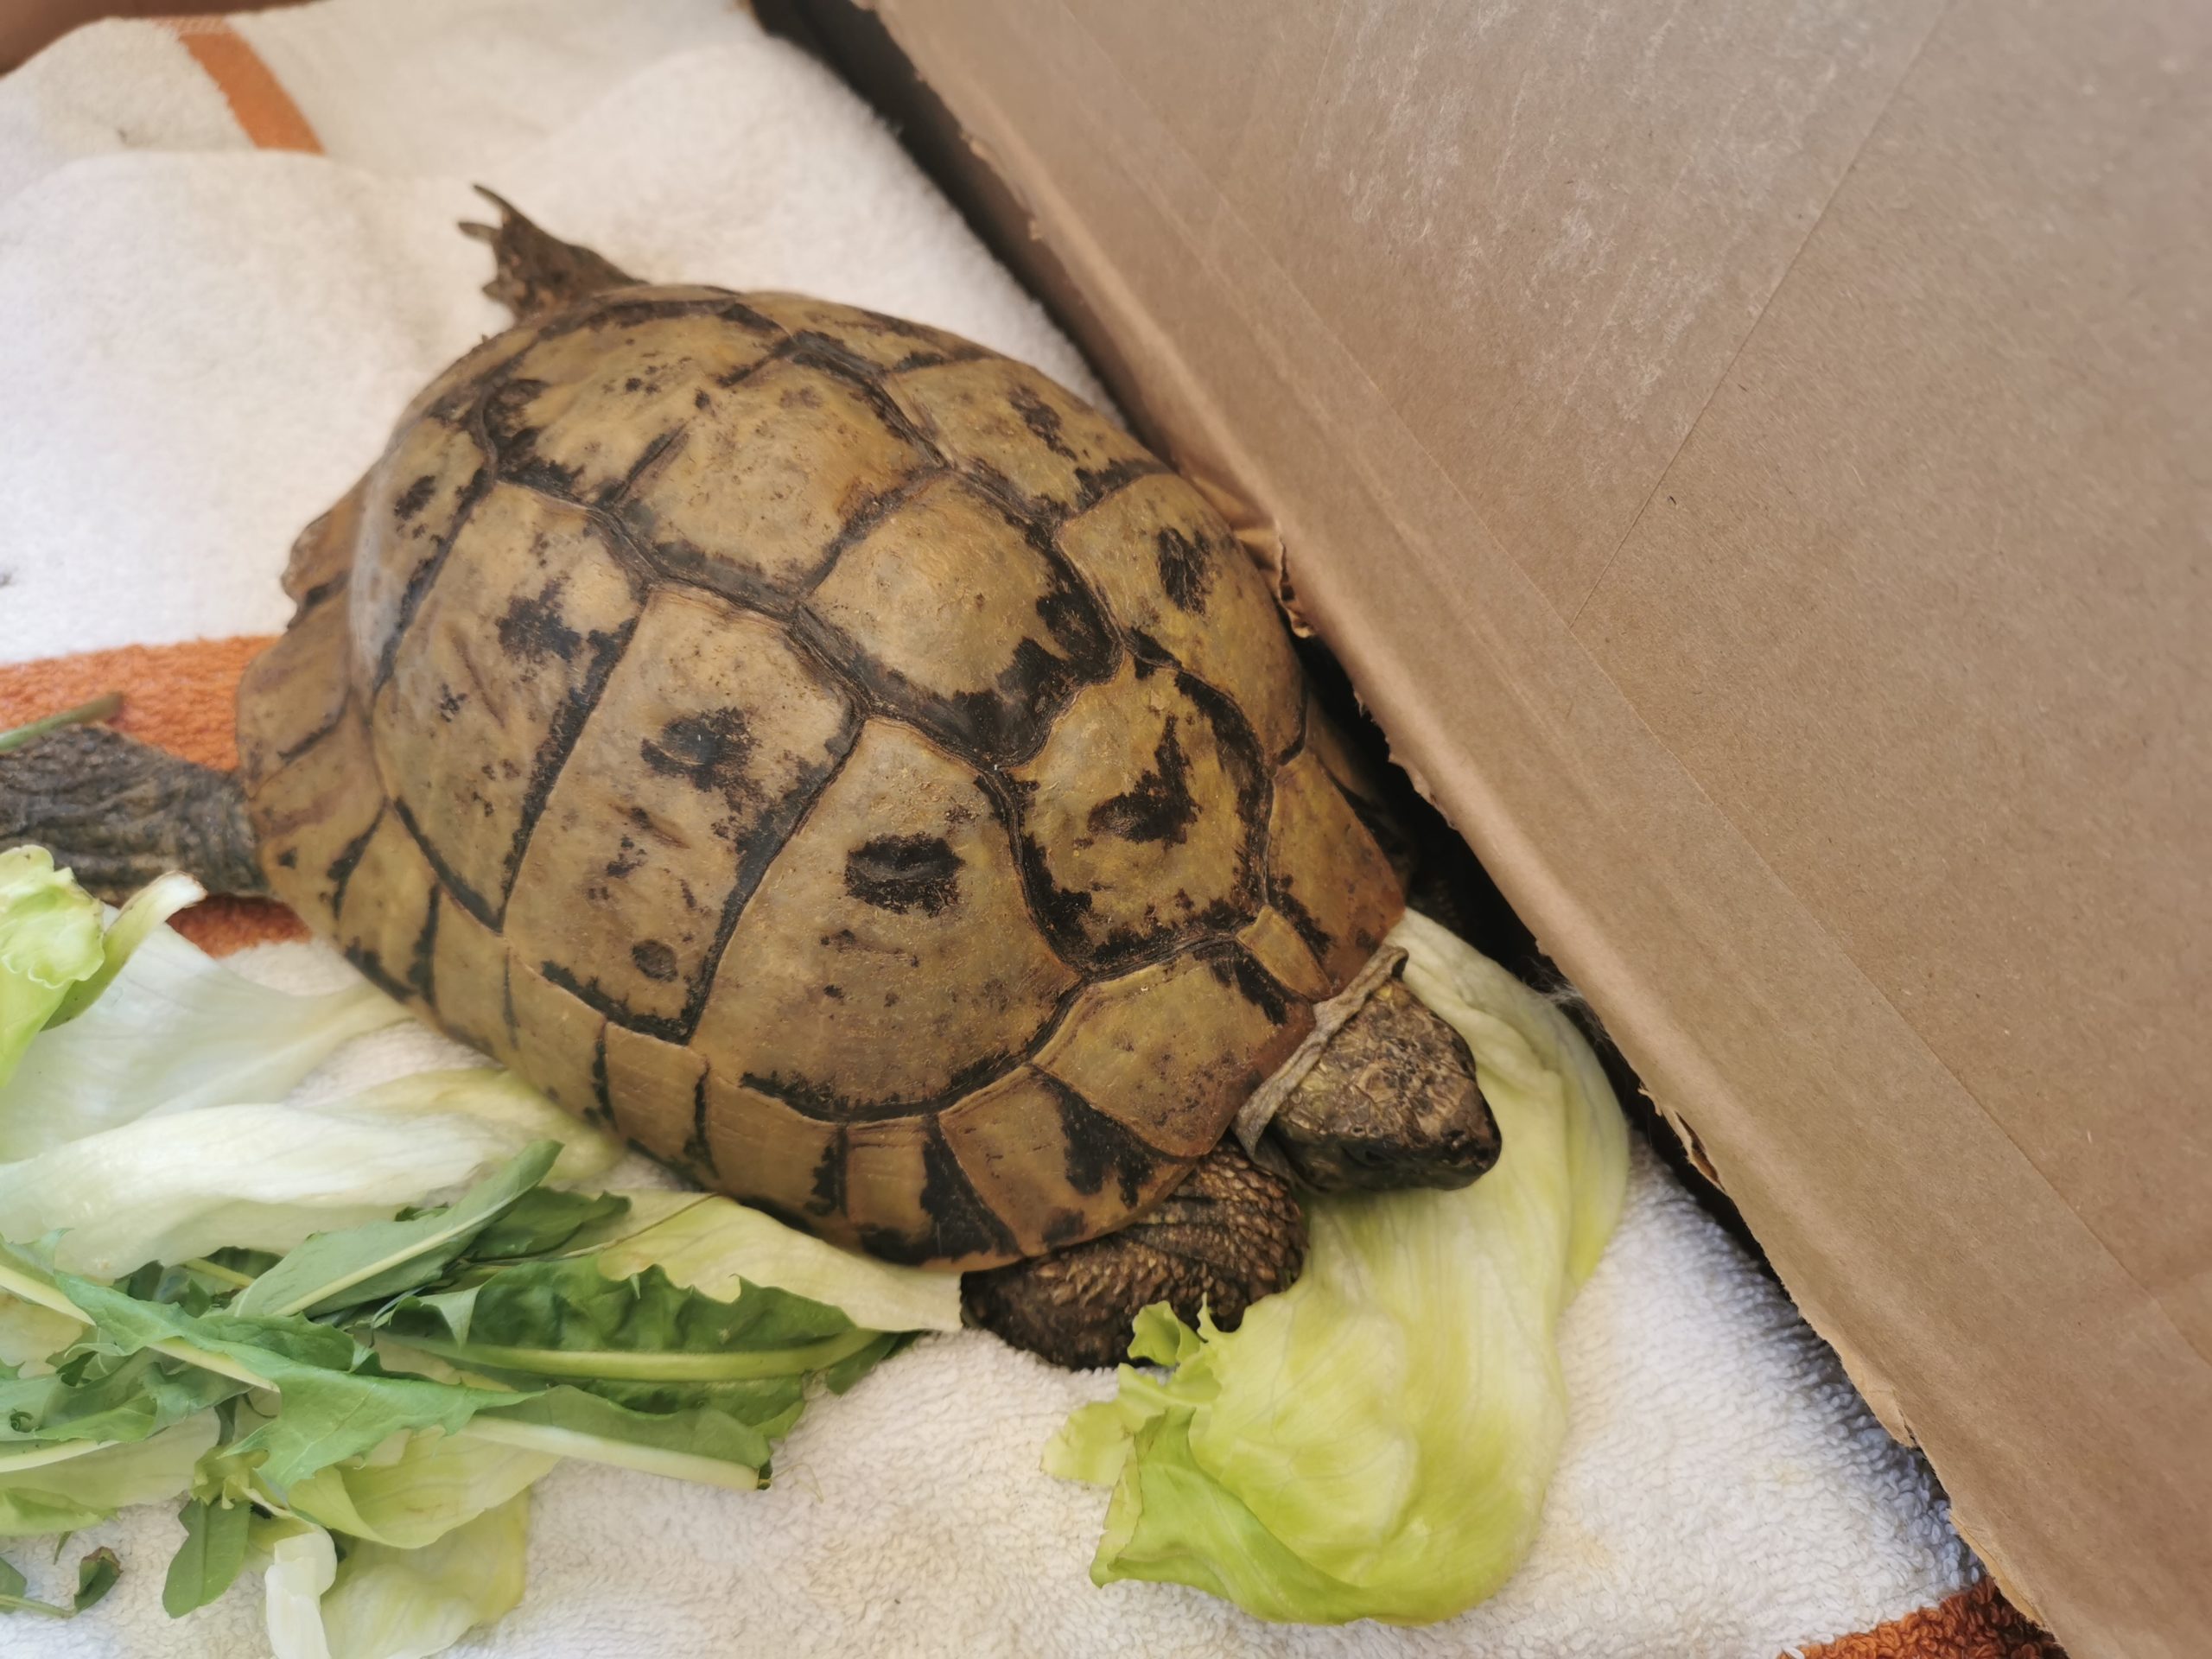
200	346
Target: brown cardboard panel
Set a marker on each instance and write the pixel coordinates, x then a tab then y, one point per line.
1950	665
1600	209
2058	1397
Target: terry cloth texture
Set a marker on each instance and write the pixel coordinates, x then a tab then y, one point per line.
226	259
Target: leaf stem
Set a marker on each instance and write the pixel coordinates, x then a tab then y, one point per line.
84	715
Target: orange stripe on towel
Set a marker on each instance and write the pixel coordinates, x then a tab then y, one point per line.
177	697
257	97
1976	1623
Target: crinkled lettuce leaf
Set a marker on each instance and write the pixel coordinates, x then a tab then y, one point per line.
431	1483
712	1245
50	941
1375	1441
79	1484
383	1603
140	1021
180	1184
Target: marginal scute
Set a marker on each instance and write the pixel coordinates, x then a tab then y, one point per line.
955	619
1171	572
501	663
1171	1051
907	1200
412	502
887	951
652	1087
888	343
1276	946
769	1155
387	916
1007	422
710	736
469	967
642	388
293	693
1051	1166
557	1042
322	554
1142	816
749	500
312	814
1326	874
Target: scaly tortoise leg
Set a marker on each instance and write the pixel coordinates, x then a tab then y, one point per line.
119	812
1231	1234
537	271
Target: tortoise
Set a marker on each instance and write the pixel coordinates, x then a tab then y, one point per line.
839	761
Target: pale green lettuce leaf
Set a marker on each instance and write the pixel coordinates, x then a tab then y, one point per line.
409	1604
29	1333
176	1185
149	908
711	1244
79	1484
175	1031
1375	1441
50	941
435	1482
302	1563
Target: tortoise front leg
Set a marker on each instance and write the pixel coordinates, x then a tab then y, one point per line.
1231	1234
536	270
119	812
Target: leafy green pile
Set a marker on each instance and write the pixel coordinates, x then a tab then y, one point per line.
228	1304
1375	1441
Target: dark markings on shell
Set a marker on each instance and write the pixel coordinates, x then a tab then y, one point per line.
285	757
567	725
1231	964
1099	1149
698	1151
655	959
1285	898
1042	419
449	880
412	499
349	856
904	872
960	1223
1185	569
425	574
534	630
372	967
1158	807
422	971
826	1195
601	1111
712	751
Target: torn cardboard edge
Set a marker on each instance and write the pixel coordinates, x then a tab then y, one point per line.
1693	949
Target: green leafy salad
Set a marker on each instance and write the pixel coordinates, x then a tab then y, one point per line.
344	1339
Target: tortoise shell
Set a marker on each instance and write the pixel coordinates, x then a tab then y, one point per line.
823	751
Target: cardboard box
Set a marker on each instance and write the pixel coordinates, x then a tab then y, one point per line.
1756	464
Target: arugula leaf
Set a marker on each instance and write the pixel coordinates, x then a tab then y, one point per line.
96	1575
208	1561
337	1401
542	1220
126	1398
382	1259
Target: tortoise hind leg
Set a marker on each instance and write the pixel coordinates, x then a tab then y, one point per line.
1231	1234
536	270
119	812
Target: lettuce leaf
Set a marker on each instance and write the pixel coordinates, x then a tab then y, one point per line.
434	1483
176	1185
50	941
97	1572
172	1031
79	1484
1375	1441
382	1603
712	1245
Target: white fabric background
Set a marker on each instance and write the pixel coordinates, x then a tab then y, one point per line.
202	345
